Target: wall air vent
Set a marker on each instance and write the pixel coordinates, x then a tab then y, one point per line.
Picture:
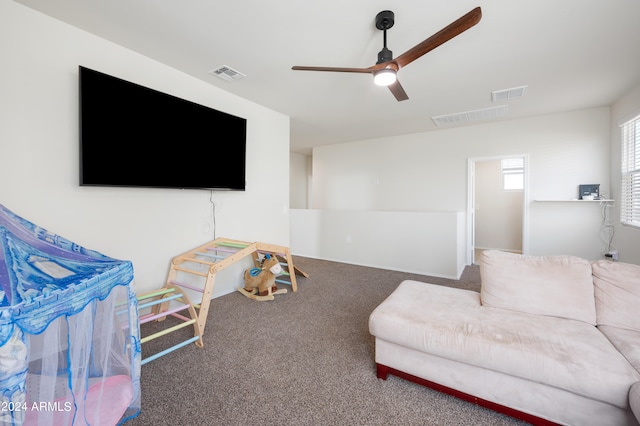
506	94
227	73
475	115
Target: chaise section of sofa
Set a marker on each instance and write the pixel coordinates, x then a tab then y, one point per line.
526	345
617	291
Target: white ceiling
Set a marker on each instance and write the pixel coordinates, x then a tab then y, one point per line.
572	54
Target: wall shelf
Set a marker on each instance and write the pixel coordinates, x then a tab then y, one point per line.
575	201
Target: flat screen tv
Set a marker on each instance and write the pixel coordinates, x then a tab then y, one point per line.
134	136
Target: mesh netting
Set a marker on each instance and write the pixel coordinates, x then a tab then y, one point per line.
69	333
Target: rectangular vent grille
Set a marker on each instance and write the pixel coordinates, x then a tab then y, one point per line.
475	115
506	94
227	73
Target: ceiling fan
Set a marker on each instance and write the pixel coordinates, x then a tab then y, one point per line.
386	69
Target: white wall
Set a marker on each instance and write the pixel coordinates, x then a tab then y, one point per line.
427	172
300	176
627	239
498	211
424	243
39	154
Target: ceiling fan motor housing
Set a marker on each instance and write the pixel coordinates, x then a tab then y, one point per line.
385	55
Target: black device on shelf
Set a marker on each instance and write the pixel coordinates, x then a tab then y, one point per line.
134	136
589	190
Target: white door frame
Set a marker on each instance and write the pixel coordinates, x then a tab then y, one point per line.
471	203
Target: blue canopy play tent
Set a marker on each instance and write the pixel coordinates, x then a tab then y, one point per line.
69	332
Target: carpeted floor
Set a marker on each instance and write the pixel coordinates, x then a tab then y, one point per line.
306	358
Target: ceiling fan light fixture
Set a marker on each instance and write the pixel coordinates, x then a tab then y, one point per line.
384	77
384	71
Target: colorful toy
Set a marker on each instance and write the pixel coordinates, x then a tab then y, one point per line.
260	283
69	352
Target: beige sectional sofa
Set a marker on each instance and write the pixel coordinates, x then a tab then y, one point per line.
548	339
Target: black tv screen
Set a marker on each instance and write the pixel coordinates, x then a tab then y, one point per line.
134	136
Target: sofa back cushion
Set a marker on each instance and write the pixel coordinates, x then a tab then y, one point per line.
617	291
559	286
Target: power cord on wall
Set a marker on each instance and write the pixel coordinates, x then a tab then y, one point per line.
213	214
607	230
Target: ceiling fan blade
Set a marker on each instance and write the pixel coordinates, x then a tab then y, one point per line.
333	69
447	33
398	91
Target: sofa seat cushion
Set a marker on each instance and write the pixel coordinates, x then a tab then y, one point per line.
560	286
626	341
617	292
451	323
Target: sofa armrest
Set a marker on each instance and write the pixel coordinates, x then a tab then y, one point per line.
634	400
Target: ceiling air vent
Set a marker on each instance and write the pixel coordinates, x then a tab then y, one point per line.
506	94
227	73
475	115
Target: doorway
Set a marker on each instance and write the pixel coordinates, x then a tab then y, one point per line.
497	204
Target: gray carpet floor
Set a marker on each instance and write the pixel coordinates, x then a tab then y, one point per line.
306	358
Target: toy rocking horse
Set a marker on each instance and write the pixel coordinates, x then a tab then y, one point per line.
260	283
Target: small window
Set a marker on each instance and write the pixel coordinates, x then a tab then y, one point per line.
630	188
513	174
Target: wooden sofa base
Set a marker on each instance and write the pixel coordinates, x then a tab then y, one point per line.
383	371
